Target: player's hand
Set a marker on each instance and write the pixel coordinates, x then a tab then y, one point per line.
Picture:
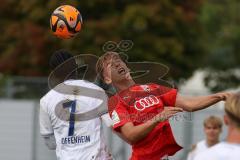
223	95
167	113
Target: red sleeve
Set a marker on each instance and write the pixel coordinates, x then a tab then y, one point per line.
169	98
119	114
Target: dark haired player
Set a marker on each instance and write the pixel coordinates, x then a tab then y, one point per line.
72	139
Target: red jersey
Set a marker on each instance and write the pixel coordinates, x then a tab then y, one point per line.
139	104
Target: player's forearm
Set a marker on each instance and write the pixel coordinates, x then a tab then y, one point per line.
135	133
50	142
141	131
197	103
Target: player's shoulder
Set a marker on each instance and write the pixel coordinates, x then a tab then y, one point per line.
215	152
193	147
225	146
219	146
113	101
162	87
56	94
52	94
202	143
83	83
225	150
196	145
206	154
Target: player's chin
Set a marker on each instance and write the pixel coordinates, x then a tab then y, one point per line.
120	77
128	76
124	77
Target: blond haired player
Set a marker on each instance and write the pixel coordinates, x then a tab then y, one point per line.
212	129
72	139
140	111
230	149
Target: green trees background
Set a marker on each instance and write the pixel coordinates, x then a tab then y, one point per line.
184	35
221	22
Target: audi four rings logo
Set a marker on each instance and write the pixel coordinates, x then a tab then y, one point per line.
146	102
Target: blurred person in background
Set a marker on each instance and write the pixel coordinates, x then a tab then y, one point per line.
230	148
72	139
212	129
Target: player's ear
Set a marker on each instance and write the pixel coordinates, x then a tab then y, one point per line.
107	80
107	76
226	119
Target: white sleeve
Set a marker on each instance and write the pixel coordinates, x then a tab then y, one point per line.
107	120
45	123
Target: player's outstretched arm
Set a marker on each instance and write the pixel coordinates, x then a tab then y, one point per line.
201	102
133	134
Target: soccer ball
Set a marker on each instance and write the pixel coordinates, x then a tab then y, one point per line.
66	21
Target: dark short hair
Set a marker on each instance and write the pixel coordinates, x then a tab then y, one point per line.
63	66
59	57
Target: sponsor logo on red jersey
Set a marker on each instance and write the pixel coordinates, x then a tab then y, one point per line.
146	102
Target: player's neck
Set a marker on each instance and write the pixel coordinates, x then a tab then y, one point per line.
233	135
120	86
211	143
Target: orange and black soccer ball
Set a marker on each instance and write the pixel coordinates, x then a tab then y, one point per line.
66	21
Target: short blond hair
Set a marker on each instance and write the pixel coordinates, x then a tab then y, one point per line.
232	108
214	120
101	61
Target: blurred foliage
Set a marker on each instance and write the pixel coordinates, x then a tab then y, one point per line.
167	31
221	38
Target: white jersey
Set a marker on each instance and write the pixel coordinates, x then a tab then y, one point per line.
221	151
200	147
75	140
